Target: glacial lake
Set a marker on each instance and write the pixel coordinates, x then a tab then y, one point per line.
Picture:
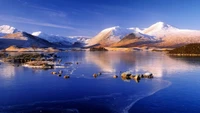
174	88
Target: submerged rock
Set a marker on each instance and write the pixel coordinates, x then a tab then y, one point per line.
115	76
68	63
59	75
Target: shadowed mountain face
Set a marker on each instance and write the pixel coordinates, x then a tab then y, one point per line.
132	40
23	39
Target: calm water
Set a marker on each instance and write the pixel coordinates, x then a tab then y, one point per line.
175	87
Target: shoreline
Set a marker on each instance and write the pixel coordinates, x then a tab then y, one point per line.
193	55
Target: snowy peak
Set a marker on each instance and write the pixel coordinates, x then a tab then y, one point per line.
136	29
162	25
61	40
110	29
6	29
109	36
158	27
38	33
117	31
112	35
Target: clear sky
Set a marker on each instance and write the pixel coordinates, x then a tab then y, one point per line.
88	17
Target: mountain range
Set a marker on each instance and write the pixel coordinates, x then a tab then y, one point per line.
159	35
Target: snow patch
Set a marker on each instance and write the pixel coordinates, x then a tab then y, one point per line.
6	29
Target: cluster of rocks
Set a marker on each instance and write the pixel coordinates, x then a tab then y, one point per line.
137	77
59	74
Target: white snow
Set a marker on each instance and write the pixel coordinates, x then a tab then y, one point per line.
136	29
158	31
115	34
159	28
61	39
171	35
54	38
6	29
110	35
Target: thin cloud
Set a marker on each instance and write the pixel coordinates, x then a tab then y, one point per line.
33	22
44	10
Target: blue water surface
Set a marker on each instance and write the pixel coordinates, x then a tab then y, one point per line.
174	87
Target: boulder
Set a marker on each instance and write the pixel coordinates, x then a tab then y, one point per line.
54	73
135	77
115	76
95	75
148	75
126	75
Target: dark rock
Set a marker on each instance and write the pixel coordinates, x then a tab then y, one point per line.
115	76
95	75
126	75
66	76
99	73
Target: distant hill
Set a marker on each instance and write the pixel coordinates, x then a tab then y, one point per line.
62	40
23	39
187	49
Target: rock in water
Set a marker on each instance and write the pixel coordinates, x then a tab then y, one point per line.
115	76
99	73
53	73
66	76
148	75
95	75
126	74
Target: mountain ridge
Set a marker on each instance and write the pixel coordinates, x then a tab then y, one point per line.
158	34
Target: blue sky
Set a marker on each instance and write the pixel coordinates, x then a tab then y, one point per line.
88	17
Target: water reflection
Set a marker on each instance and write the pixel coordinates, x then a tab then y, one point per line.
7	71
159	64
88	95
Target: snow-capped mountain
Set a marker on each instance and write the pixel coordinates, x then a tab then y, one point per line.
23	39
159	34
170	36
54	38
61	40
6	29
110	36
159	29
136	29
81	39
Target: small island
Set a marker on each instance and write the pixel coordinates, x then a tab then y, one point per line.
32	60
187	50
